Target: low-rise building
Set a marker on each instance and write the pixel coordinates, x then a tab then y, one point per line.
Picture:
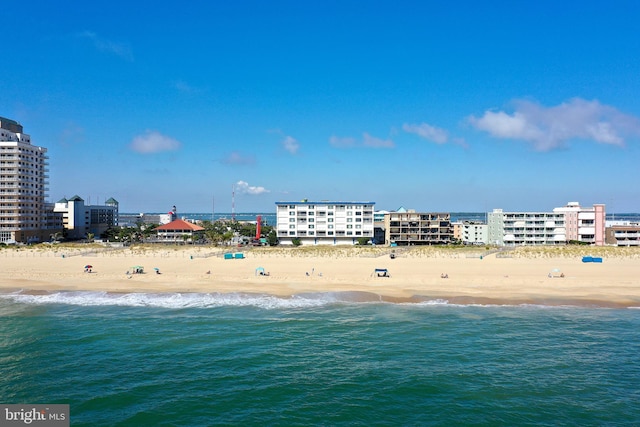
584	225
418	228
474	233
457	228
526	228
623	233
559	227
324	222
179	231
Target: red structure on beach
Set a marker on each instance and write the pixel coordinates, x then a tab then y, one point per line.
258	224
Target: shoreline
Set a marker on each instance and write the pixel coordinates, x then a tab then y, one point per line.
336	297
475	276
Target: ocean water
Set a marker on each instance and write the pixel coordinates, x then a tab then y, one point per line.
324	359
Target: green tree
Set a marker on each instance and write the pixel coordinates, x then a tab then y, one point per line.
363	240
272	238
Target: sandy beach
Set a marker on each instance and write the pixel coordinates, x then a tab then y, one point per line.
475	275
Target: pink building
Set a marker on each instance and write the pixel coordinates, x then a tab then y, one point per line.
584	224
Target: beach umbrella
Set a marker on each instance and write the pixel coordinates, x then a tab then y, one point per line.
156	268
88	266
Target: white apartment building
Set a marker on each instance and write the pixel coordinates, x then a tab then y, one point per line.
324	222
474	233
79	219
24	216
568	223
526	228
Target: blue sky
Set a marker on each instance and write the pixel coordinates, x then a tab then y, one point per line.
463	106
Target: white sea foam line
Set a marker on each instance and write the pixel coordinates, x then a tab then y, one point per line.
174	300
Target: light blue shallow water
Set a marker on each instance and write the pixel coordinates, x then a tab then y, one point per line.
191	360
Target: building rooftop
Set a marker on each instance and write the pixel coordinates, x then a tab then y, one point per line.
179	225
10	125
324	202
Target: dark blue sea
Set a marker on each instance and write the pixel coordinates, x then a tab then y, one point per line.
325	360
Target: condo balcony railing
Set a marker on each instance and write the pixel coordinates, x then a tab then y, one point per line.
14	215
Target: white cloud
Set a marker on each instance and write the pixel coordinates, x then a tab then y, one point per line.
548	128
291	144
428	132
119	49
153	142
371	141
243	187
342	142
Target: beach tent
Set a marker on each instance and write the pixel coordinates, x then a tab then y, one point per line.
556	273
260	270
137	269
239	255
228	256
381	272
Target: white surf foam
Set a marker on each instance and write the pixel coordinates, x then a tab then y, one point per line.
170	300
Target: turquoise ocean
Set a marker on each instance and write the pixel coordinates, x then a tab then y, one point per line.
322	359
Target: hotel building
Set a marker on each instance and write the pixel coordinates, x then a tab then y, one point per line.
79	219
324	222
24	216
